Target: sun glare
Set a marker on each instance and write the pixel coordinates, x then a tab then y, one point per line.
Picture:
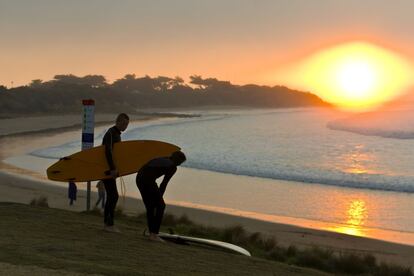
356	76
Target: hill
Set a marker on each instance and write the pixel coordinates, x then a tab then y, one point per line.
130	94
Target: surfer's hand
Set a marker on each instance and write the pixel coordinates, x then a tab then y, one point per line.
114	173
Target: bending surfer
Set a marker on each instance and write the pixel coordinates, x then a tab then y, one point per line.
151	194
112	136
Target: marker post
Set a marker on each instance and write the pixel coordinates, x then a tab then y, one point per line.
88	125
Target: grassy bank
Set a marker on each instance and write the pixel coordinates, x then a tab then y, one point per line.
44	238
327	260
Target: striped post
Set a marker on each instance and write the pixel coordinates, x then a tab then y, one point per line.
88	125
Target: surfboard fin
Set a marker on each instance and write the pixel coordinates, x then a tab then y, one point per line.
65	158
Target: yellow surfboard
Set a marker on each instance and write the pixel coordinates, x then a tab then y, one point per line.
91	164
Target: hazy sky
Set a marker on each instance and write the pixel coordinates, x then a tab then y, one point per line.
236	40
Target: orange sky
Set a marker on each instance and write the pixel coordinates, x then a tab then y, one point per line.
238	40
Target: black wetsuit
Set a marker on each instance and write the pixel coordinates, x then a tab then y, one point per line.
112	136
150	193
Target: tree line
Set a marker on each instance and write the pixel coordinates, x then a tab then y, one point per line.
131	93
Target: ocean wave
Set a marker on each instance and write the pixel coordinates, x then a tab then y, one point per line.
243	144
397	124
395	134
360	181
72	147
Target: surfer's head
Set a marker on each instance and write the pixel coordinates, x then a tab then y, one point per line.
178	157
122	121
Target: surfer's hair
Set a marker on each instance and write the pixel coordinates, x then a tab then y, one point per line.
122	116
178	157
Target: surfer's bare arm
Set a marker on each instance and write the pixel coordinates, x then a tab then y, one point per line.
167	177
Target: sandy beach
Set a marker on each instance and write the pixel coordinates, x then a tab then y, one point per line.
19	185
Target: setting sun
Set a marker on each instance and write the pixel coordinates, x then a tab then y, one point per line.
356	79
356	76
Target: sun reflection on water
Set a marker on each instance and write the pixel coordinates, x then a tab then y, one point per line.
358	161
356	213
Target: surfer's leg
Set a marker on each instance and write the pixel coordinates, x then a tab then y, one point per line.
112	198
155	208
99	200
147	190
159	213
103	200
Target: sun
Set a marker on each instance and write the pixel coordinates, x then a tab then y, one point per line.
357	79
354	76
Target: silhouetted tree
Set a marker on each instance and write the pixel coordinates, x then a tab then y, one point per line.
124	83
162	83
178	81
198	80
130	83
70	79
65	92
95	81
211	83
37	83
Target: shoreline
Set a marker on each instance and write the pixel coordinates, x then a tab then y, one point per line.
22	188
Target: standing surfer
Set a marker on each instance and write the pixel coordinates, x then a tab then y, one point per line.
112	136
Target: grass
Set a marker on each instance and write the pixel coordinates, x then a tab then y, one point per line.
46	238
36	235
41	201
264	247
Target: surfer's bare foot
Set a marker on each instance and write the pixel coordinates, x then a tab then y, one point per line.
154	237
111	229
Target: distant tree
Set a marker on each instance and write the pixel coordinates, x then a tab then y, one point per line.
95	81
69	79
130	77
211	83
163	84
178	81
125	83
178	85
197	80
3	88
131	83
36	83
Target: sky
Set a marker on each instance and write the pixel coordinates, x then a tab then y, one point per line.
241	41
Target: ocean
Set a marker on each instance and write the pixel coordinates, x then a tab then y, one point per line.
284	144
284	165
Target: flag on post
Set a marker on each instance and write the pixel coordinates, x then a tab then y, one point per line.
88	124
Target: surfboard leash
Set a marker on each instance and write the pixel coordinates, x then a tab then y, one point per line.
123	191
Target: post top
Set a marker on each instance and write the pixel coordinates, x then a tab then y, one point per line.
88	102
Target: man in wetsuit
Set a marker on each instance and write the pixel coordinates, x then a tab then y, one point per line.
151	194
112	136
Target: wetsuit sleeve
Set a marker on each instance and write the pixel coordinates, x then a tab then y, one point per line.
171	171
108	143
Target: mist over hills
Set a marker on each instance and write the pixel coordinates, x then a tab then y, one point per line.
64	93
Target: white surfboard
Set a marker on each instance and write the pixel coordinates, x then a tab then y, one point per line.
220	244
